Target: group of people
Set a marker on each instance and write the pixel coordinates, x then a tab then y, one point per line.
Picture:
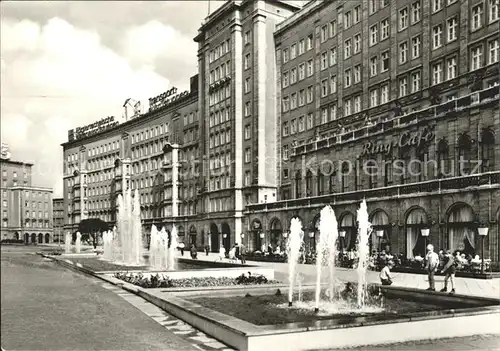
192	250
237	252
446	264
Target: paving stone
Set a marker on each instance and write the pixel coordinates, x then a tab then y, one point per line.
182	332
215	345
202	339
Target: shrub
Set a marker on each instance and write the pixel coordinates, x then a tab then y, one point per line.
12	241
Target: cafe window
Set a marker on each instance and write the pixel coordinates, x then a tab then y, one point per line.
464	154
443	159
487	150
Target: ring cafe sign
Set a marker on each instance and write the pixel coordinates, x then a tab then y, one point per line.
166	99
91	129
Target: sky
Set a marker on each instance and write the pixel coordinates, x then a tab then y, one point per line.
69	64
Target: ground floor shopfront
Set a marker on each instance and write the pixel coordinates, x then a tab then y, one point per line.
452	210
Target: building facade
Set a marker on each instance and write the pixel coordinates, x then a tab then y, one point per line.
25	207
58	219
395	102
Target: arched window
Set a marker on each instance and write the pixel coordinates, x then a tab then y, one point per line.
464	154
309	185
487	150
298	184
322	181
443	159
344	176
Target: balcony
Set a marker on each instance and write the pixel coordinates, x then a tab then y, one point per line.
475	100
434	187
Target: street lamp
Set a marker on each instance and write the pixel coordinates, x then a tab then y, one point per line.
482	231
380	235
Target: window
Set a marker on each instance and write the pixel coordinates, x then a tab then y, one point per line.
403	18
437	73
293	126
415	81
373	35
247	85
493	51
415	12
437	5
247	109
476	58
247	178
385	61
437	36
357	14
476	20
324	33
384	94
309	42
452	29
373	98
373	6
302	98
285	152
293	101
248	155
357	43
324	60
286	55
357	104
357	74
247	131
347	107
324	87
373	66
403	86
293	75
285	82
333	56
247	61
310	121
385	30
302	71
310	94
293	51
324	115
333	28
4	202
333	84
494	13
302	125
310	68
451	68
403	52
302	46
347	78
333	112
286	129
347	19
347	48
415	47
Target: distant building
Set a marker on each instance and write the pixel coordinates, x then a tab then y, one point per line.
58	219
26	208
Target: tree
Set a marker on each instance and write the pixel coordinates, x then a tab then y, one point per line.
91	229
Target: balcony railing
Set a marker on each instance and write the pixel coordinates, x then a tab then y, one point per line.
474	100
434	187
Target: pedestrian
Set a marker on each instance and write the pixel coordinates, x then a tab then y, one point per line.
181	247
385	273
222	253
243	252
449	269
194	252
207	249
432	262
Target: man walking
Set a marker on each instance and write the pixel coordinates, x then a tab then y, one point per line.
432	260
243	252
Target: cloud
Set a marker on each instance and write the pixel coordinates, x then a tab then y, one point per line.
57	76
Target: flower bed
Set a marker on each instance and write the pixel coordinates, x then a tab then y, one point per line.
163	281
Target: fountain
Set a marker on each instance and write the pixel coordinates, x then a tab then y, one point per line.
364	230
326	251
107	239
171	263
155	245
67	243
78	242
294	243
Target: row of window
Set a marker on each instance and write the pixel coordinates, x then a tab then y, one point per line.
219	183
219	204
220	116
220	72
40	214
154	132
220	161
219	95
220	138
14	174
219	51
39	224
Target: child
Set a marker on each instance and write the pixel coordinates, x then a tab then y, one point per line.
385	273
450	267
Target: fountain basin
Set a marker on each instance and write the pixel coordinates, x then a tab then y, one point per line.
459	315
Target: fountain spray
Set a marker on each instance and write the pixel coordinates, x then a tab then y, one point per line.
294	244
364	231
326	251
172	249
67	243
78	242
153	248
164	248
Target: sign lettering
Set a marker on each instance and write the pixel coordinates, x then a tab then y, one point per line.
166	99
92	129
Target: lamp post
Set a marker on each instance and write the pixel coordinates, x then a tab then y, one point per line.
482	231
342	236
311	241
380	235
425	233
